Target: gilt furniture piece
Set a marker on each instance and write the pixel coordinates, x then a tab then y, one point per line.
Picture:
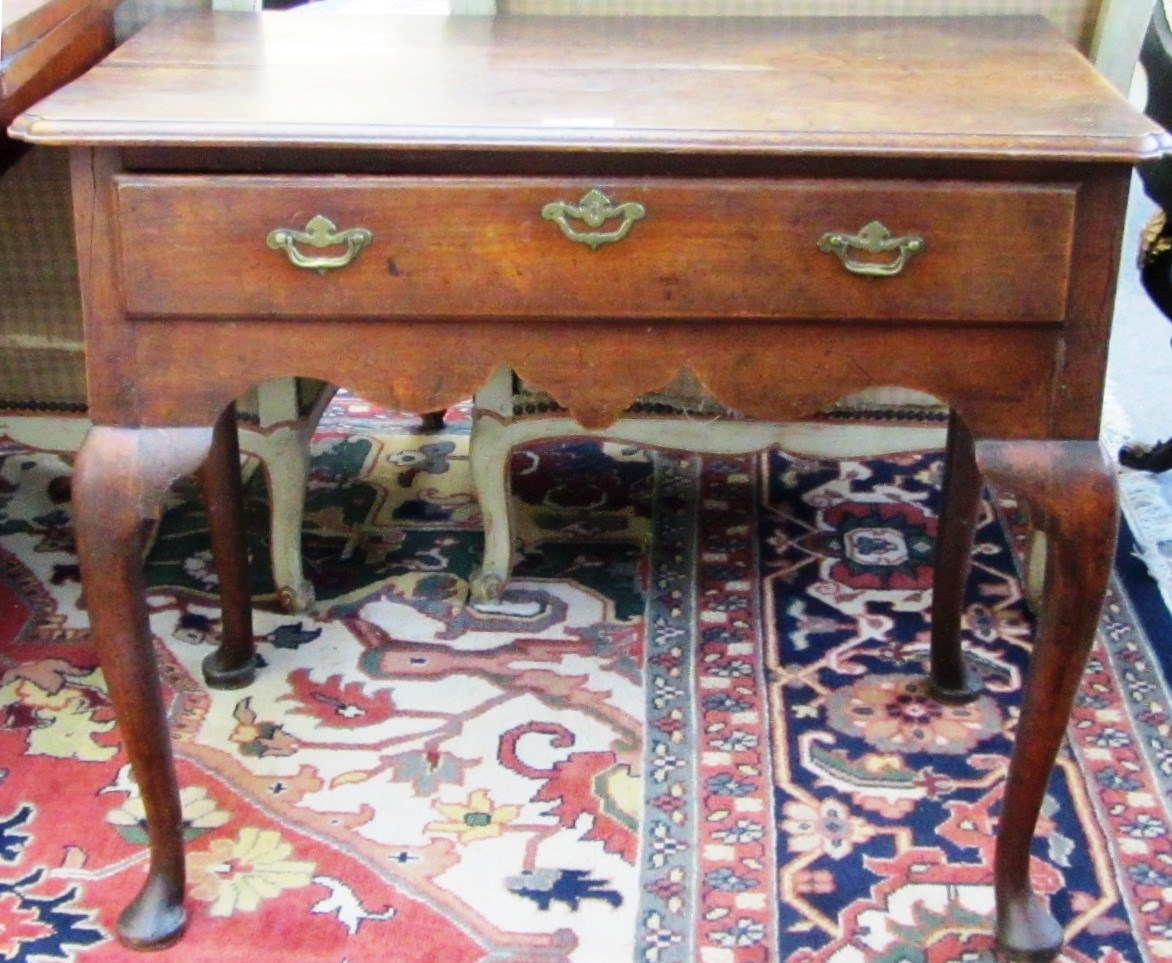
801	210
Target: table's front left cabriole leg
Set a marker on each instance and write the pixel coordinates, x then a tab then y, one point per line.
1071	485
120	479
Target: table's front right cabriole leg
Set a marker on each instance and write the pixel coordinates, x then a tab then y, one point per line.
121	477
1071	486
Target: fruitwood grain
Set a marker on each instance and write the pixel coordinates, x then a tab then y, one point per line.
752	136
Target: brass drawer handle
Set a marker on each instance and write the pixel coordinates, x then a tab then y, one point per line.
595	209
875	238
320	232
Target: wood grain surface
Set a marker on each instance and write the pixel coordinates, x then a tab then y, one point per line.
743	139
968	87
996	253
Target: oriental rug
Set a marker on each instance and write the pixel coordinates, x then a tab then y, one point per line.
698	732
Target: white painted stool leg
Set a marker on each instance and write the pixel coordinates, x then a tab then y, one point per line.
489	456
496	432
281	443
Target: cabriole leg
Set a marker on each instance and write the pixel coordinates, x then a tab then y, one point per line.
285	456
949	677
119	483
1071	485
489	456
233	664
281	442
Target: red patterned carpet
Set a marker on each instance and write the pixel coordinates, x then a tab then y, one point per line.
700	734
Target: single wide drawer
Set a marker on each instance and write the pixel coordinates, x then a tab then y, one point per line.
531	248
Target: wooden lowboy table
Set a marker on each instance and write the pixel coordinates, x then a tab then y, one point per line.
793	210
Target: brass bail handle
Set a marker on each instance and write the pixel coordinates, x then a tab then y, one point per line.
594	210
319	233
875	238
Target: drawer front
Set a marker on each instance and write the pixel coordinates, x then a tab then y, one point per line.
525	248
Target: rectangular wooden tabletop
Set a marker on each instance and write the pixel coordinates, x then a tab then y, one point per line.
970	87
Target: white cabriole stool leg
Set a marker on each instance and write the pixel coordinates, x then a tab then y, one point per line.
280	441
496	431
489	451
